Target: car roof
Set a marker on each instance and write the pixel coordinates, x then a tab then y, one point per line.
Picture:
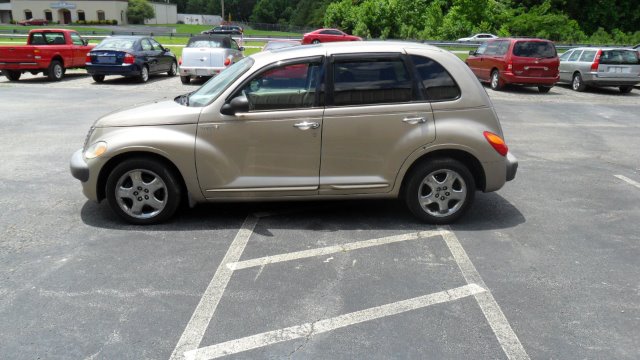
600	48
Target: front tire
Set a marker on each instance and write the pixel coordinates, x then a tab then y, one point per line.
496	83
185	79
98	78
173	70
143	191
439	191
55	72
316	41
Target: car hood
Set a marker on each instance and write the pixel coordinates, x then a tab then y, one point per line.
164	112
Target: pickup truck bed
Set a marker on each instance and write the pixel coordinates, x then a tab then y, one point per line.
48	51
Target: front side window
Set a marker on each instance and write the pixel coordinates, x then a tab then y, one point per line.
156	45
146	45
437	83
376	81
575	56
234	45
286	87
214	87
481	49
566	55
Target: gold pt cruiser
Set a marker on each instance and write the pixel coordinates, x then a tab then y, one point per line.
330	121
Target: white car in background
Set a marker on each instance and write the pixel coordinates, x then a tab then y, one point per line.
207	56
478	37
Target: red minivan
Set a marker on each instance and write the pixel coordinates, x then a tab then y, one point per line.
529	62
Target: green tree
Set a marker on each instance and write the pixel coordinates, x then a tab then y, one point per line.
139	11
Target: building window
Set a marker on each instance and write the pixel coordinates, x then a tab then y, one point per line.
81	15
48	16
28	15
100	15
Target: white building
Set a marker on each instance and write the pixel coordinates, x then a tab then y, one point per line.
70	11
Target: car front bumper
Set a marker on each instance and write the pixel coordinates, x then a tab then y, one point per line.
81	170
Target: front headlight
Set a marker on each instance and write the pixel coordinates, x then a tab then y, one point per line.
95	150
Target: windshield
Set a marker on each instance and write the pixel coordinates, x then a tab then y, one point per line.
115	44
214	87
534	49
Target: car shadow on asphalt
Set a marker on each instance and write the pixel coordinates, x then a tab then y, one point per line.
129	81
519	89
42	79
614	91
489	211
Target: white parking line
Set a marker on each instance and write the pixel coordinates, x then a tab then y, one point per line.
627	180
195	329
506	336
322	326
330	250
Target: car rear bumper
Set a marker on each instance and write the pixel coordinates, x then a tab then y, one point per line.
200	71
595	80
124	70
512	166
512	78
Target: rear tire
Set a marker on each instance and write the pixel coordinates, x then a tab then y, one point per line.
185	79
626	89
55	72
496	83
544	89
12	75
144	74
439	191
577	84
98	78
173	70
143	191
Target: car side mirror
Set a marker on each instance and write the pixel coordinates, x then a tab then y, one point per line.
85	42
241	48
239	104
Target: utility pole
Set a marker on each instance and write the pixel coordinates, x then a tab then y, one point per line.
222	6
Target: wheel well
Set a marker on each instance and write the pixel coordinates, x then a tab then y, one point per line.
58	58
112	163
464	157
576	73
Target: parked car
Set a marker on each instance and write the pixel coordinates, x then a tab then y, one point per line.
528	62
598	67
29	22
279	44
208	55
130	56
48	51
478	38
327	35
225	30
365	128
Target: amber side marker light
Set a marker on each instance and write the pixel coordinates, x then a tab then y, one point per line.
497	143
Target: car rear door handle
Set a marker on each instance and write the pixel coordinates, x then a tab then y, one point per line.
414	120
306	125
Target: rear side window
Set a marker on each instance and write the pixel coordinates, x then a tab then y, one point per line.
588	55
613	57
437	83
49	38
362	82
534	49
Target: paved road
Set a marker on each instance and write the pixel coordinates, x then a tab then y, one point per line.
545	268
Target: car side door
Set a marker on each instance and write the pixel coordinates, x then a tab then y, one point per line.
374	119
475	60
165	60
235	51
564	69
271	148
79	52
150	55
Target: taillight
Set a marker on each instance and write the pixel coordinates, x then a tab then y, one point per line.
129	59
180	61
88	58
596	61
497	143
510	65
227	61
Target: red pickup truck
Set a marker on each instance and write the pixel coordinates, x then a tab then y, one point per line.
48	51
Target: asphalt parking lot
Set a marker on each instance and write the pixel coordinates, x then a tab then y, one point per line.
547	267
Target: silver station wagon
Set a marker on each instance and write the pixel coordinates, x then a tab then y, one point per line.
598	67
330	121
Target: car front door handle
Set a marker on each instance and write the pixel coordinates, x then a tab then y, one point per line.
414	120
306	125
